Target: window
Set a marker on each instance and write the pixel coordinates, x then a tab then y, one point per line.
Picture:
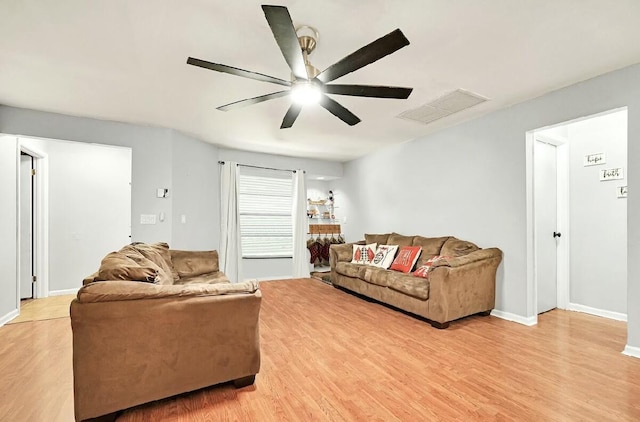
265	202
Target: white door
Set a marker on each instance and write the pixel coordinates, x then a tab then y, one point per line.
26	227
545	223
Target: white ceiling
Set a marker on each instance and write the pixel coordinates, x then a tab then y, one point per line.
125	60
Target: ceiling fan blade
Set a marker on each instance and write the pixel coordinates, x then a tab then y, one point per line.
285	34
235	71
368	54
339	111
254	100
369	91
291	116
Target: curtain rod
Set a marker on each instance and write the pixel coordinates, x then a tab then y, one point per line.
260	167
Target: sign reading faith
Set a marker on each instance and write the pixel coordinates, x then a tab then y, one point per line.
594	159
622	191
611	174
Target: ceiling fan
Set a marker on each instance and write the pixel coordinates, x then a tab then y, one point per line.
308	84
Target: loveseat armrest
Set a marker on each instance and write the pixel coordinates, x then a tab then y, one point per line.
121	290
463	285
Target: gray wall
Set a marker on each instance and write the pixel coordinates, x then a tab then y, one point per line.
8	225
151	157
598	231
195	194
470	181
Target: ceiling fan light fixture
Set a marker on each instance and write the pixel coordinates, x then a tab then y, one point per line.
305	93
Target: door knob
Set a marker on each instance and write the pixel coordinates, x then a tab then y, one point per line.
556	234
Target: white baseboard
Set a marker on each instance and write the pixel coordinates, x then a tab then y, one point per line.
8	317
631	351
515	318
597	312
64	292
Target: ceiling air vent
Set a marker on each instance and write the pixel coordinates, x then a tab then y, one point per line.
450	103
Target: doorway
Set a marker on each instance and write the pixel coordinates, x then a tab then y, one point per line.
27	226
33	223
576	217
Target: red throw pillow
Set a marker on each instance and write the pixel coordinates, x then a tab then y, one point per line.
423	270
406	258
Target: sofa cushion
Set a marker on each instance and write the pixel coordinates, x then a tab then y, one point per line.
456	247
406	259
162	250
384	256
351	270
376	276
380	239
162	277
194	263
408	284
363	254
431	246
400	240
118	266
213	277
159	254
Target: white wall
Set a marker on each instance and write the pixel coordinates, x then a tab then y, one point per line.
8	227
89	206
598	252
469	181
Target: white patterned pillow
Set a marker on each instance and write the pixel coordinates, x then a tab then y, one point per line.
384	256
363	254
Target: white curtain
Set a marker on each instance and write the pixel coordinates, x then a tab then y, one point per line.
230	246
300	226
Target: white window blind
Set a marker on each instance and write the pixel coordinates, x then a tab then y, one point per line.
265	202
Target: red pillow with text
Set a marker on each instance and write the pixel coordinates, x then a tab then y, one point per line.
423	270
406	258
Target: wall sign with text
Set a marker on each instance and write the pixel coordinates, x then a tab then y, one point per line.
594	159
621	191
611	174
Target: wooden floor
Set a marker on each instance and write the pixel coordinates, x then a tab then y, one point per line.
45	308
330	356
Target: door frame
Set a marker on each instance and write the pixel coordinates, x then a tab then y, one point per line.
562	180
40	218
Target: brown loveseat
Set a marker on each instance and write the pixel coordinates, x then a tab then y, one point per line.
457	286
136	342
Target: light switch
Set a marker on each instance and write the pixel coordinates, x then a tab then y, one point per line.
183	219
147	219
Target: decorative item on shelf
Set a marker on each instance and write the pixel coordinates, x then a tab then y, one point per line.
317	202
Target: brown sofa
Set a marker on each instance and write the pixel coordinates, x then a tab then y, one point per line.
457	286
136	342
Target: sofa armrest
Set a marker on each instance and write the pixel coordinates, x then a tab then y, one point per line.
137	348
463	285
341	253
120	290
459	261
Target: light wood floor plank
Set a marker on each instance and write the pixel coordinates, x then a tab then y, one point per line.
331	356
45	308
